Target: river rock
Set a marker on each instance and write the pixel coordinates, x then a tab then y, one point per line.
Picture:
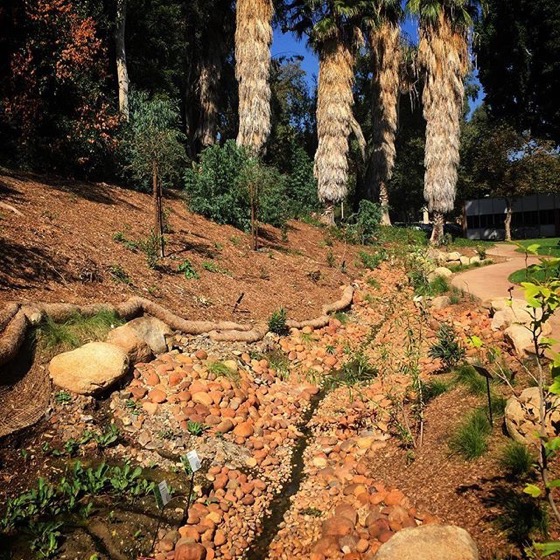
185	550
89	369
429	542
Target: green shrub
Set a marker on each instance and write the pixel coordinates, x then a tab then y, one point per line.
447	347
217	188
406	237
363	225
277	322
516	459
301	185
470	438
372	261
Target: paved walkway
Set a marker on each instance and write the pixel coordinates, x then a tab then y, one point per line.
490	282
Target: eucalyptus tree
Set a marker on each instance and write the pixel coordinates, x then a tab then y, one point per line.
332	29
443	55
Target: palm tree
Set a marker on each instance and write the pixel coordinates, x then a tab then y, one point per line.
217	20
383	26
253	36
444	56
331	28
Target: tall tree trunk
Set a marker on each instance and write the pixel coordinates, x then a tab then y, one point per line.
334	118
385	42
437	231
209	78
384	201
443	53
253	37
507	221
158	208
122	71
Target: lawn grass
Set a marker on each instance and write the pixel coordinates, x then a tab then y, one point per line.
549	246
528	275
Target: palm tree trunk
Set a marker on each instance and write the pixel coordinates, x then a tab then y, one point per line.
507	221
385	42
210	75
437	231
334	118
122	71
443	53
253	37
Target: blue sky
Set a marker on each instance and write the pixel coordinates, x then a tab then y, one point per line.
286	44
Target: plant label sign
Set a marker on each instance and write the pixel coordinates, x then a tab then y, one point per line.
162	494
194	461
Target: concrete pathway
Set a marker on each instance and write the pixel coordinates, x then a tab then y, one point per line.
491	282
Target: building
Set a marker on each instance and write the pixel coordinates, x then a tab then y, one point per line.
533	216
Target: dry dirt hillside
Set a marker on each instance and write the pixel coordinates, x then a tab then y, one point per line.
76	242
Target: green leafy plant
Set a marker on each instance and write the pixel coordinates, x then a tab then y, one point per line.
188	270
433	389
108	437
331	259
447	348
277	322
195	428
46	536
62	397
220	187
364	224
372	261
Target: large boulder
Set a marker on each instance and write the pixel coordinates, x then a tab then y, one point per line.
89	369
520	338
523	416
429	542
149	330
440	271
126	338
508	312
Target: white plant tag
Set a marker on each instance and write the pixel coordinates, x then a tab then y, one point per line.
194	461
163	492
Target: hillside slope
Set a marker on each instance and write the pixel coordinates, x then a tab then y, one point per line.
64	247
